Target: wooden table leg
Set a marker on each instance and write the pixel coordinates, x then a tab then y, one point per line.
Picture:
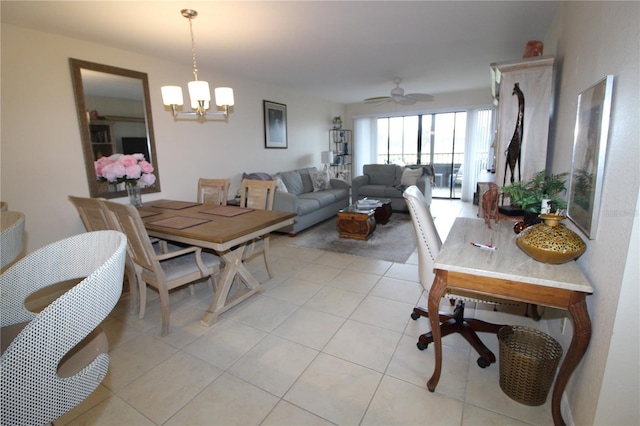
579	343
435	295
233	267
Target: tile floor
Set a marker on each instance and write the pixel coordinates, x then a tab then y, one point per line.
329	342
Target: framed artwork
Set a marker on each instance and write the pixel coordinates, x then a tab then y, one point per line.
589	150
275	125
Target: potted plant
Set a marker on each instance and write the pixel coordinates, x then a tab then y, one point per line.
528	195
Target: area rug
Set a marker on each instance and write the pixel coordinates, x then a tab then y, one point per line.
393	242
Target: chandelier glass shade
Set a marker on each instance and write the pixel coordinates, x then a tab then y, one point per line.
199	92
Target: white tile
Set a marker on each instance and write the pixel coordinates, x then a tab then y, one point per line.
403	271
363	344
225	343
287	414
401	403
309	327
383	313
263	312
335	301
112	411
316	273
133	358
476	416
334	389
354	281
336	260
227	401
273	364
163	390
294	290
371	266
398	290
100	394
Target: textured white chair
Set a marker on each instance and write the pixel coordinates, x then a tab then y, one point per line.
258	194
54	359
11	236
213	191
429	244
163	271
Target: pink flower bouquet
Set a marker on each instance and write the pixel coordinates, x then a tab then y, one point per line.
132	169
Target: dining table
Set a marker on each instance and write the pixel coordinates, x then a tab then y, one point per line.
224	229
486	260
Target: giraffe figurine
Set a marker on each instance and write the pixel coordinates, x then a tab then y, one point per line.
513	152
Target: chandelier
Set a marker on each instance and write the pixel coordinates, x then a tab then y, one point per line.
198	89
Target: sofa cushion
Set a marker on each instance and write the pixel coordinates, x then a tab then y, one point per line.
256	176
379	191
320	180
280	183
307	205
324	198
383	174
293	181
307	184
410	176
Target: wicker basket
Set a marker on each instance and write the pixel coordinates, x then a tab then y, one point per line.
528	362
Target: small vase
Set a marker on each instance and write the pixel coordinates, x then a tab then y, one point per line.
551	241
135	198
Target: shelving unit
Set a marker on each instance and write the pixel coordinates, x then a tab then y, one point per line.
102	142
341	143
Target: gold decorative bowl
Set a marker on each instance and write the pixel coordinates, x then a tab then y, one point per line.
551	241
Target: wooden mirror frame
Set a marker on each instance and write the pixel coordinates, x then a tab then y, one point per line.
96	187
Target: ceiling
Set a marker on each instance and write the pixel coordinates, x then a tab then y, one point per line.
342	51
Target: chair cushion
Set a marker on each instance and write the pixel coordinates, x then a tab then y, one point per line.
293	181
180	266
307	205
381	191
410	176
383	174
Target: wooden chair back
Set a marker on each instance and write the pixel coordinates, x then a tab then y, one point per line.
213	191
91	213
257	194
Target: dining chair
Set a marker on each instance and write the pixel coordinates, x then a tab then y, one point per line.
52	360
429	244
213	191
11	236
163	271
258	194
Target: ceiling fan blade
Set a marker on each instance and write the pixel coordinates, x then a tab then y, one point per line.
420	97
377	99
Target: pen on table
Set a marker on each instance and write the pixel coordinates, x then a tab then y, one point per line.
484	246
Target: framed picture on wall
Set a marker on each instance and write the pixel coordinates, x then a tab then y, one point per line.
275	125
589	151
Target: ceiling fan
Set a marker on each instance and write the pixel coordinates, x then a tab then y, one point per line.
398	96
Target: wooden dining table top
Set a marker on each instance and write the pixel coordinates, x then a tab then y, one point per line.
218	225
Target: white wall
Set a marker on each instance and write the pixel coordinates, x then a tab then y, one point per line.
590	40
41	160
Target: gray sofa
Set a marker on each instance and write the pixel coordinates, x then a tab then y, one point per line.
386	181
311	207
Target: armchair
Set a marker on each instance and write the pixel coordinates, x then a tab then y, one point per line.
389	181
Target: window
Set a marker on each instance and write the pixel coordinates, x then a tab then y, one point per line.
456	143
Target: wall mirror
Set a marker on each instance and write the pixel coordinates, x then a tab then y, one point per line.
114	114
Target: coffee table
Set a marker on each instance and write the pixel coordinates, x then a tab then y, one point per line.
359	223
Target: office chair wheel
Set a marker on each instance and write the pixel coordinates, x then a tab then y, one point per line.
422	346
483	363
414	316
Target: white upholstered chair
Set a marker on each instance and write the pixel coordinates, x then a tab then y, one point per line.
53	360
163	271
258	194
429	243
11	237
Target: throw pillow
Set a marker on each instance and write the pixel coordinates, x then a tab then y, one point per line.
320	179
280	186
293	182
410	176
256	176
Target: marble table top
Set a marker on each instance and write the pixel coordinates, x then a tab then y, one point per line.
507	262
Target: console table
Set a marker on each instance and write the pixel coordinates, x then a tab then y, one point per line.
509	273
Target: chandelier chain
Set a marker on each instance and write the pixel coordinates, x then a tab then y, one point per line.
193	50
